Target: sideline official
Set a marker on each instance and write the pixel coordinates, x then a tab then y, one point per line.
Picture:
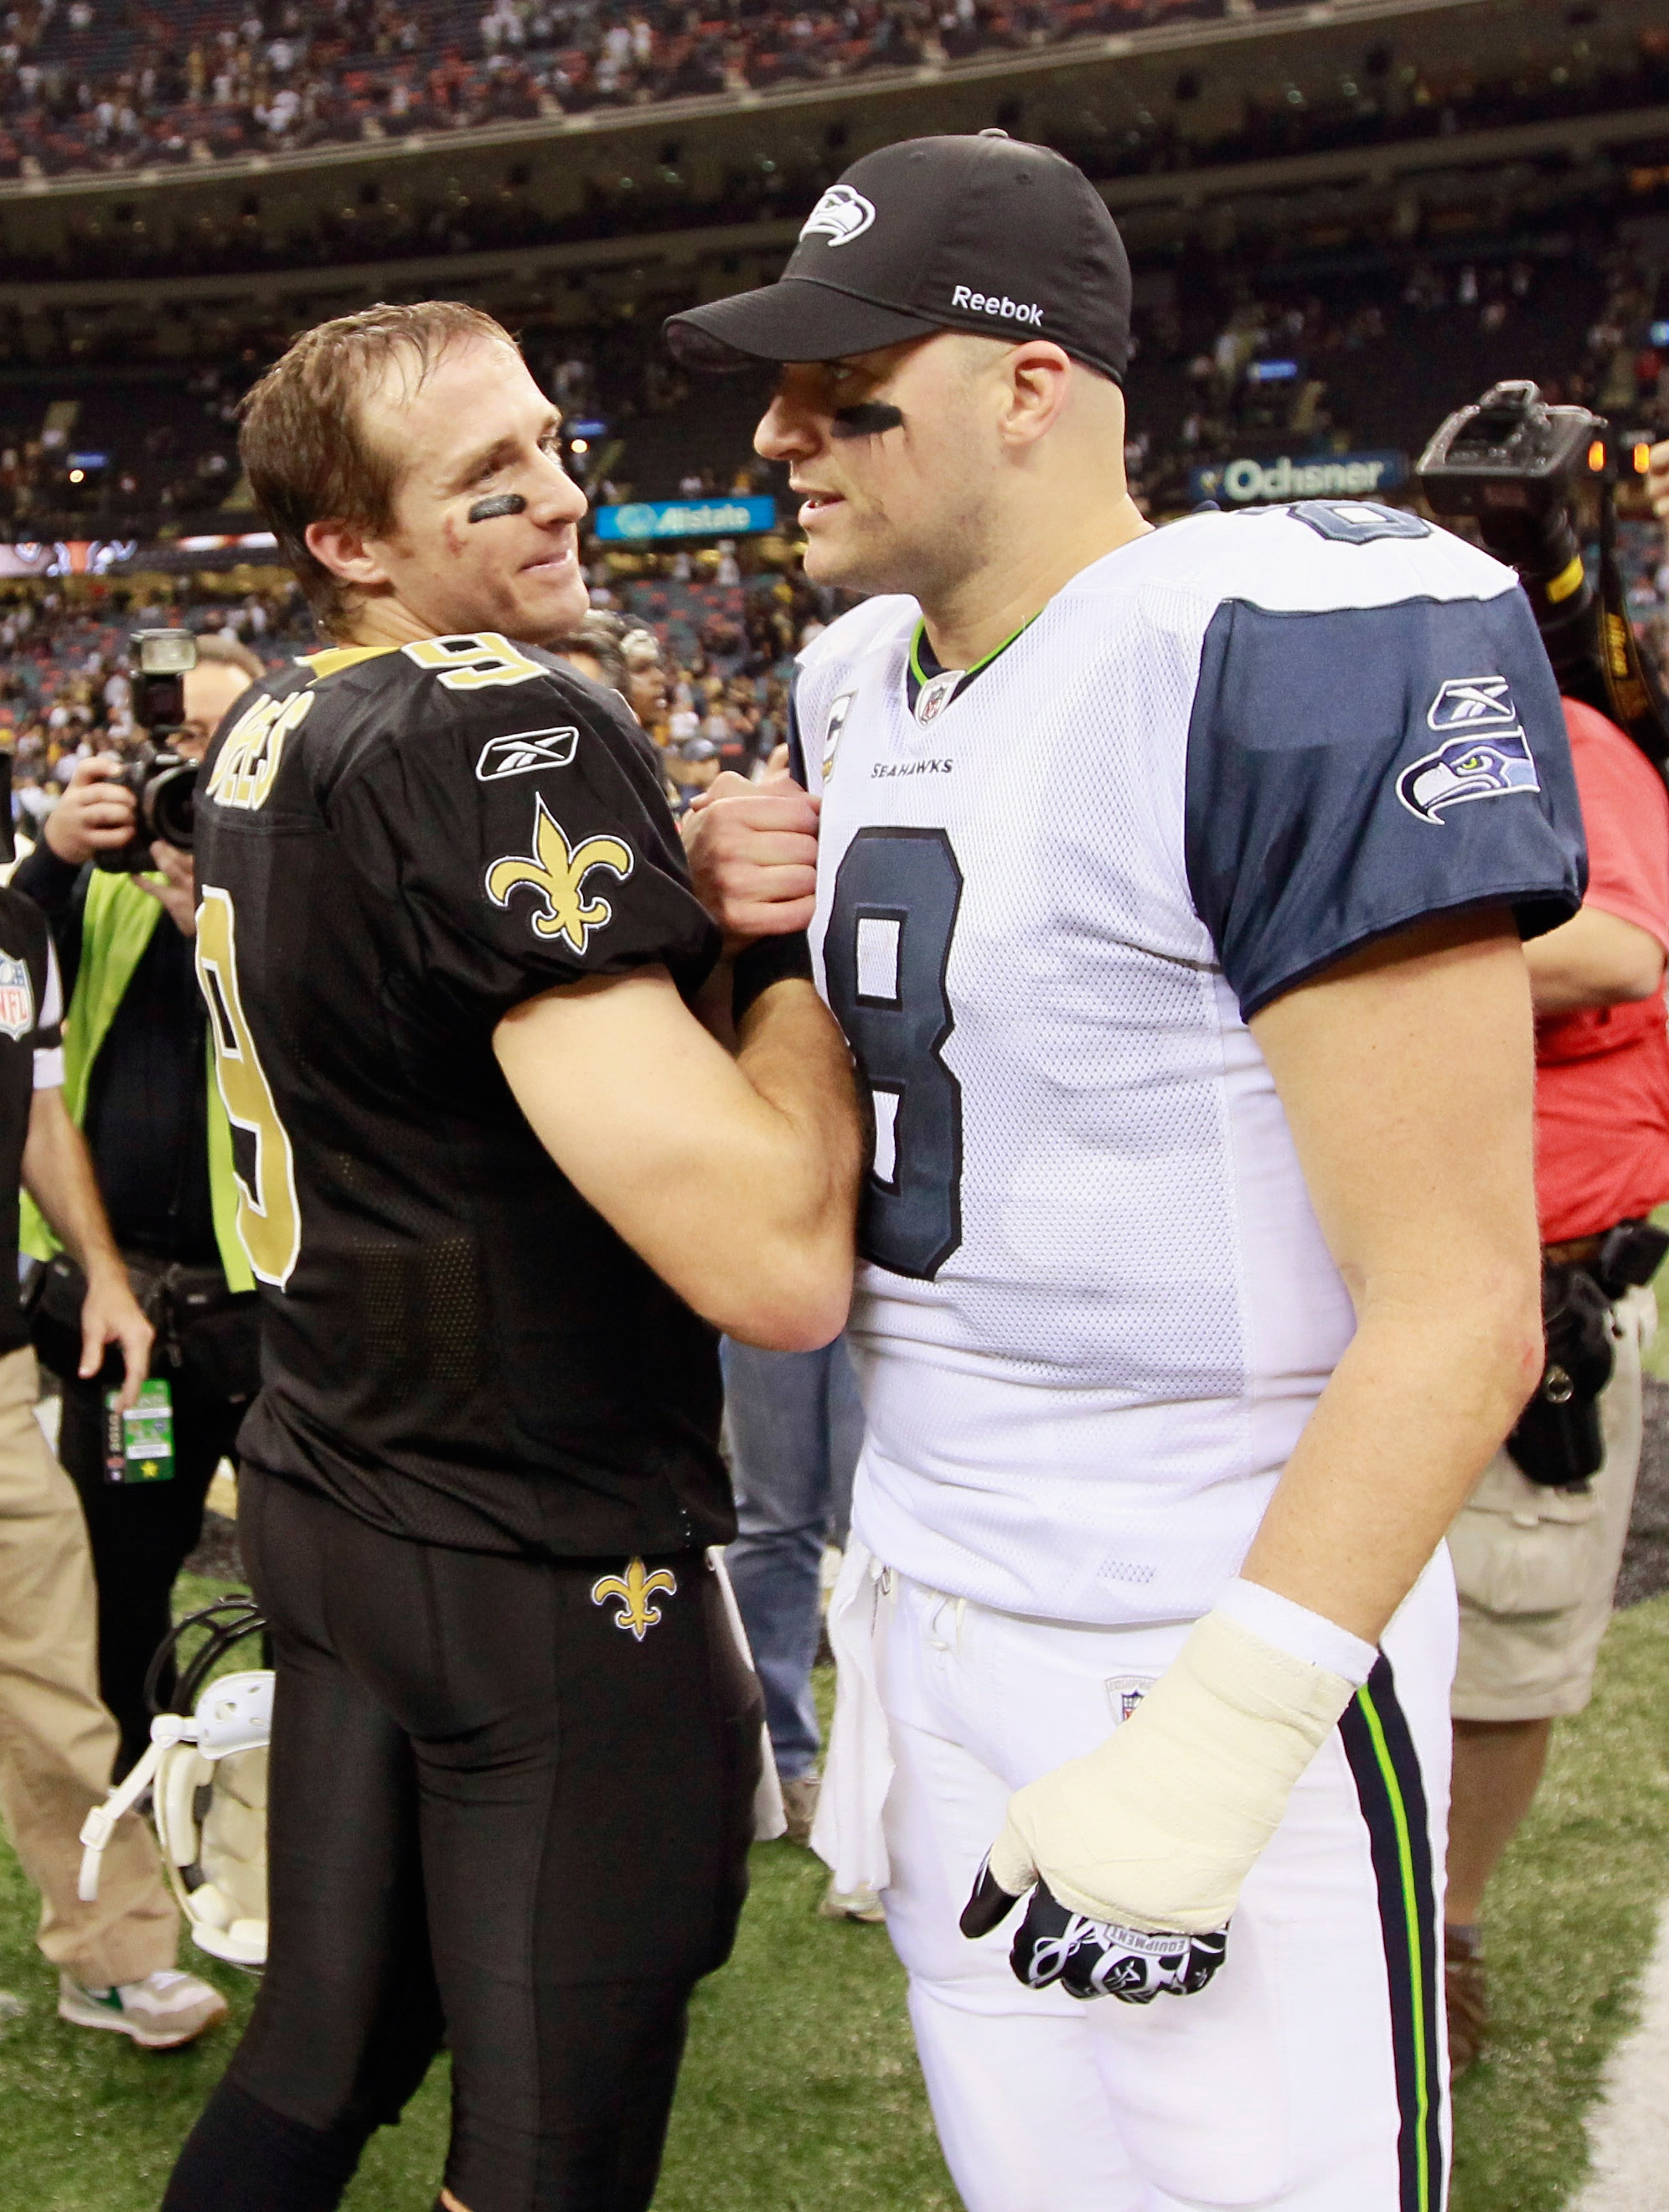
137	1082
499	1185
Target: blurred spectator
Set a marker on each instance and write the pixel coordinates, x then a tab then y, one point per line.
136	1081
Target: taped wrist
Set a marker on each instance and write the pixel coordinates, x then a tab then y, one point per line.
767	960
1158	1827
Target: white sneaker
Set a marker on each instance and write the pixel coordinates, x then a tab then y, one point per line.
851	1904
161	2013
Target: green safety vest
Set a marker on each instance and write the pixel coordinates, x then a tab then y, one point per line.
117	923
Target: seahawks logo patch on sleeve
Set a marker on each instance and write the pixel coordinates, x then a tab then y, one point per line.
556	872
1485	755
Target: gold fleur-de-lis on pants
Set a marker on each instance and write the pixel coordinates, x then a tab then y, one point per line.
635	1589
556	870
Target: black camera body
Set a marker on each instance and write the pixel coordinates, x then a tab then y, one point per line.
163	782
1513	465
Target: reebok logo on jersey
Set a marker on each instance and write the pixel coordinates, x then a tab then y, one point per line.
556	872
988	303
523	750
1473	702
839	215
1492	765
16	997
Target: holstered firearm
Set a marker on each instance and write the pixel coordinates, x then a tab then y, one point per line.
1557	1442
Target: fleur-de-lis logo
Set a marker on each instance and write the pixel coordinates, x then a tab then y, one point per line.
633	1589
557	872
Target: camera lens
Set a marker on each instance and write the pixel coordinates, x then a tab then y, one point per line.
168	803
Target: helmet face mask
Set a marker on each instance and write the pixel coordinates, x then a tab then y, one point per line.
207	1773
215	1852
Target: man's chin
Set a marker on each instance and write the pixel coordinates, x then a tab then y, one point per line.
825	561
555	611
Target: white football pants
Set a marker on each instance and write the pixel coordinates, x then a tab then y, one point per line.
1311	2074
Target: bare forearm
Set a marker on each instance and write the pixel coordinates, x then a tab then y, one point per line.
1595	959
57	1174
1421	1400
792	1053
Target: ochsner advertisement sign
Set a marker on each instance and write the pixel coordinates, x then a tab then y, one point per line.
1313	476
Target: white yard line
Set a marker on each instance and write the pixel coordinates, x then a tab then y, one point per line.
1629	2128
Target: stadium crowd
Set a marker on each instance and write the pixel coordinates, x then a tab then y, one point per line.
721	642
113	85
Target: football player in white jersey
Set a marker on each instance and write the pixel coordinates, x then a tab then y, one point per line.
1170	886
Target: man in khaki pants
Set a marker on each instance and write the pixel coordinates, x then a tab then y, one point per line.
115	1958
1536	1565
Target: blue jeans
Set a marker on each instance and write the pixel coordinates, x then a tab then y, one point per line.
796	1426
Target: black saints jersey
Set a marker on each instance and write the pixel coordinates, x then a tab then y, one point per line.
31	1059
394	848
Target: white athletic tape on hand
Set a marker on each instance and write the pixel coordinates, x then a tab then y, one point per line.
1158	1827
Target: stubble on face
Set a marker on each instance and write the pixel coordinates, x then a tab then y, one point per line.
457	575
916	498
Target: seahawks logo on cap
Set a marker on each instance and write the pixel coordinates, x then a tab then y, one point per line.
839	215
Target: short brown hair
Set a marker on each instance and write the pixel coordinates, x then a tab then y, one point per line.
219	645
303	445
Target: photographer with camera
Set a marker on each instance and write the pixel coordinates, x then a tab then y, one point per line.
1536	1548
137	1081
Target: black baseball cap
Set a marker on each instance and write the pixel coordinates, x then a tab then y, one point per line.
974	234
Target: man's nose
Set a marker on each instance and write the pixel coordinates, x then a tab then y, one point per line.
557	497
786	432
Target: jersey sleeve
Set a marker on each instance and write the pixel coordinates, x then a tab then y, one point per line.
528	842
49	1022
1355	770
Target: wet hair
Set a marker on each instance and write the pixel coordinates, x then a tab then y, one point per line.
303	442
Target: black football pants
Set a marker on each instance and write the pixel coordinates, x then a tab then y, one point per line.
507	1808
141	1535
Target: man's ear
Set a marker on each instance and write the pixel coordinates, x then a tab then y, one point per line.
1039	382
348	551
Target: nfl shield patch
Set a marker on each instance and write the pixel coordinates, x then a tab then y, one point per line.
17	1011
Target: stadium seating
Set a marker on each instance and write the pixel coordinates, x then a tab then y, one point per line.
113	85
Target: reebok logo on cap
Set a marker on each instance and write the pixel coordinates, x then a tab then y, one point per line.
976	233
988	303
839	215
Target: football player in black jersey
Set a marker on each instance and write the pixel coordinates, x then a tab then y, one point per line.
501	1187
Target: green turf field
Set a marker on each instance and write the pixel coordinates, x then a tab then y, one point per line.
801	2091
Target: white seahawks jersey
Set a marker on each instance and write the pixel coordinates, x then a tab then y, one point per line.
1095	1309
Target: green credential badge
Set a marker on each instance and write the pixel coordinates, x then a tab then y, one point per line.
139	1444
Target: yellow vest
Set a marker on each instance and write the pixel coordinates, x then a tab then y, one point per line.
116	924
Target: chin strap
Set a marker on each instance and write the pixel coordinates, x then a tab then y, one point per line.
99	1825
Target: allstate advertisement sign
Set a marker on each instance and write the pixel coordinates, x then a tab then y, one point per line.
1313	476
644	519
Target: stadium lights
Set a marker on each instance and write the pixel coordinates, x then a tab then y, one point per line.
1597	456
579	446
77	476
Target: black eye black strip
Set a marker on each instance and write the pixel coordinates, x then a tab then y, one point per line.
869	418
501	502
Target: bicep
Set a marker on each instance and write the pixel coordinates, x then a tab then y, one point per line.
623	1087
1407	1077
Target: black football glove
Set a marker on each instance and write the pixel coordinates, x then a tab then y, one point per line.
1092	1958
